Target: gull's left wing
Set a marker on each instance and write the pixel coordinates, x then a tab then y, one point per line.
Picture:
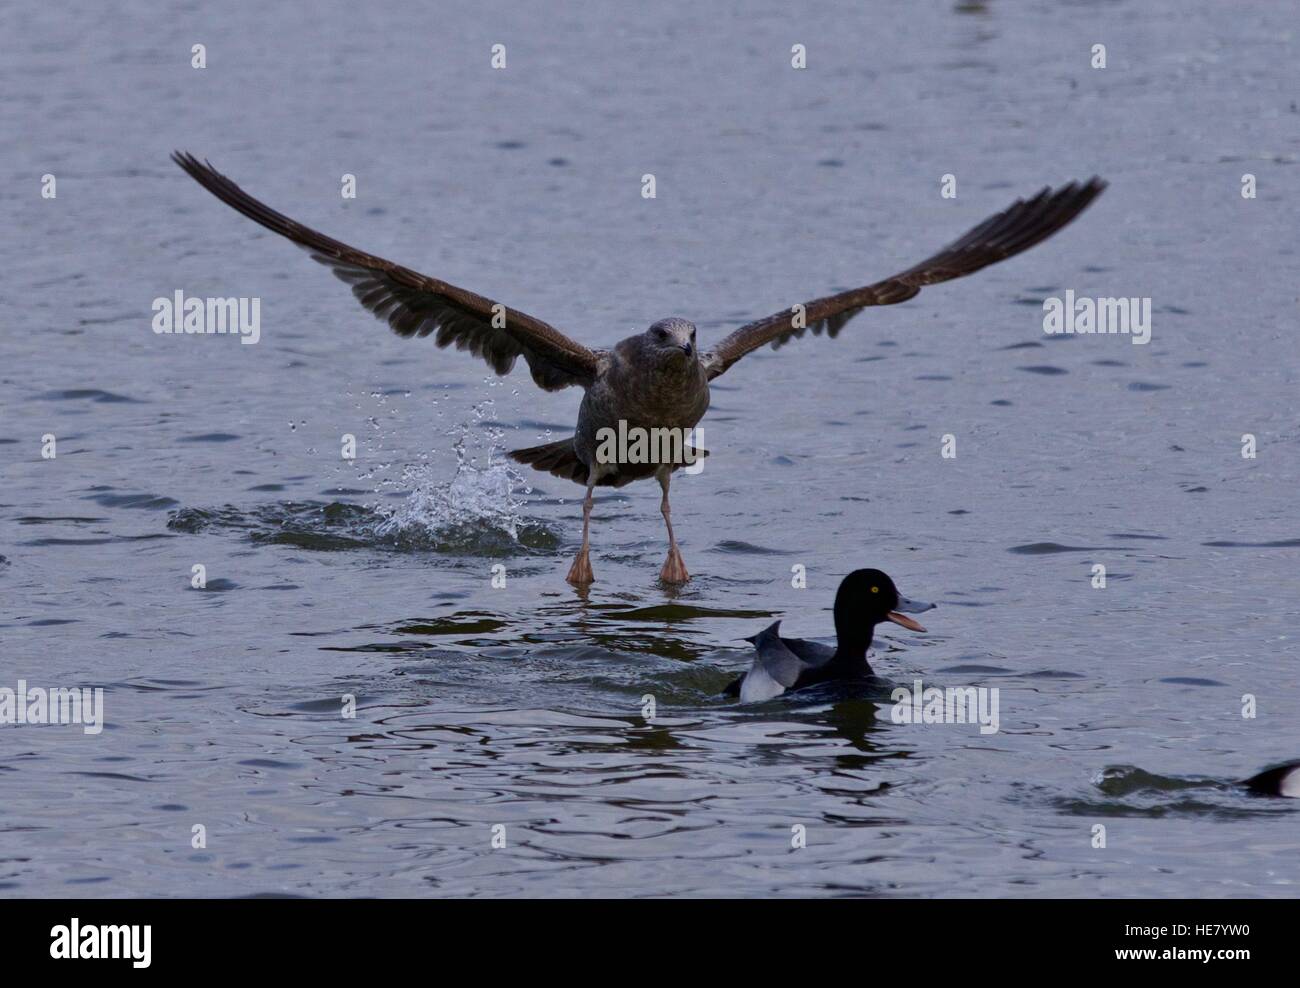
1015	229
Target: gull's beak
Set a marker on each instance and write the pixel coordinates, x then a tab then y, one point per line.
688	348
911	606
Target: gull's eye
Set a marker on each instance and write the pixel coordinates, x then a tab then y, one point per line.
875	590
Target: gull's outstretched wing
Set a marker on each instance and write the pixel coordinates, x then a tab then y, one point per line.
1015	229
414	304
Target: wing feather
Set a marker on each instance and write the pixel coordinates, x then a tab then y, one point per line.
1017	228
414	304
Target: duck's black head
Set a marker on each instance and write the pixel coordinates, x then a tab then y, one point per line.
866	598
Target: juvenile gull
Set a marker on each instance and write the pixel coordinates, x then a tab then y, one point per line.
656	380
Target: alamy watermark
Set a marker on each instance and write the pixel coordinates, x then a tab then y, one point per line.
102	941
1098	315
56	705
203	316
634	444
951	705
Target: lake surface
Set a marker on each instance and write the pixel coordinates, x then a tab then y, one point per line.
513	715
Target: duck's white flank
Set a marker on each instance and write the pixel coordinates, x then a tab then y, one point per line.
1288	786
758	686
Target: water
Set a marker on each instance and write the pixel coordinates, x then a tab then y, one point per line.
521	706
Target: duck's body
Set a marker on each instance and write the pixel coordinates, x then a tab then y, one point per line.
785	664
865	598
1280	780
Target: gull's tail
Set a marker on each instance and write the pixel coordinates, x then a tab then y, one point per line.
558	458
561	459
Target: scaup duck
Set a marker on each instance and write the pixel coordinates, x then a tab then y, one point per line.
1280	780
866	598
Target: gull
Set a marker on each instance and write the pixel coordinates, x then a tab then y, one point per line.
655	380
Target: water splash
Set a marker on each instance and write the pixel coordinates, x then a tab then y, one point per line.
478	512
474	496
485	494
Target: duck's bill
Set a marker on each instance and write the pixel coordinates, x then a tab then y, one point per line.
904	620
912	607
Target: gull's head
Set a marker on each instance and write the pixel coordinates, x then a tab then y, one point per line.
673	337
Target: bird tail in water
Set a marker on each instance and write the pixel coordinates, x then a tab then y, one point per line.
558	458
1280	780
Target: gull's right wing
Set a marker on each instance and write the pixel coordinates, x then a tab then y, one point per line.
415	304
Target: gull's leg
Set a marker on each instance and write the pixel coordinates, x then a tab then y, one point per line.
580	572
674	570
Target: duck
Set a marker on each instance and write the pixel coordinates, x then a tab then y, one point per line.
865	598
1280	780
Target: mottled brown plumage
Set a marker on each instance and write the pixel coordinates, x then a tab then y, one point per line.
414	304
653	380
1017	228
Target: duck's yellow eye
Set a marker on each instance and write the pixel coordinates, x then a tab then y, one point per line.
875	590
